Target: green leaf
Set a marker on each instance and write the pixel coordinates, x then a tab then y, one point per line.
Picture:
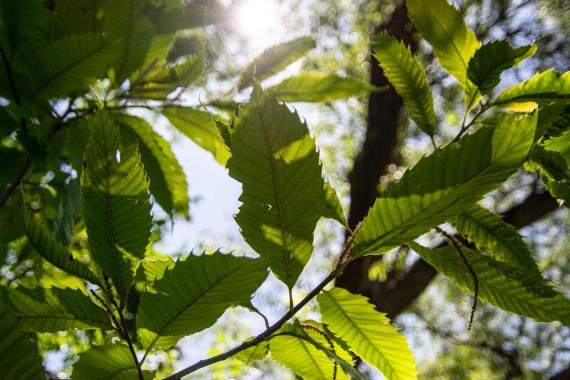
165	80
445	183
485	67
55	309
368	332
543	88
441	24
318	87
252	354
283	197
124	21
407	75
167	180
70	64
488	231
275	59
508	287
195	293
115	202
553	159
200	128
153	268
309	354
333	208
109	362
19	357
53	251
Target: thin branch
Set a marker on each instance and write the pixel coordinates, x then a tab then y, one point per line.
344	256
461	254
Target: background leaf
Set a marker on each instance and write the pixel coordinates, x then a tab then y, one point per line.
167	179
453	42
407	75
200	128
53	251
318	87
275	59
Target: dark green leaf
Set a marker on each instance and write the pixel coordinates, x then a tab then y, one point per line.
167	179
195	293
19	357
126	23
485	67
55	309
70	64
109	362
115	202
53	251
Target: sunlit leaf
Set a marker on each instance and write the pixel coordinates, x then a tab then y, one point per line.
544	88
488	231
318	87
446	183
453	42
508	287
283	197
407	75
275	59
200	128
368	332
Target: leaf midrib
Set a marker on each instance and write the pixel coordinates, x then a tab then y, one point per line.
338	307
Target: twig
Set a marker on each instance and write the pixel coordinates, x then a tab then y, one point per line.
470	269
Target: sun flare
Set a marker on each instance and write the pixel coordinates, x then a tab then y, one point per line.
259	21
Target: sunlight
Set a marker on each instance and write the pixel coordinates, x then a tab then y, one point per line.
259	21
